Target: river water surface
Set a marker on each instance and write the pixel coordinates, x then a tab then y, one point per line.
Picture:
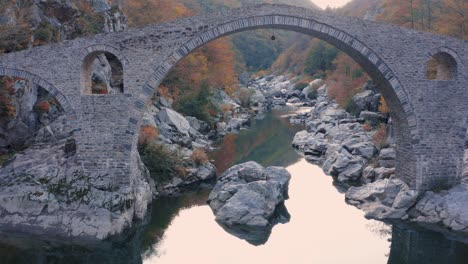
322	228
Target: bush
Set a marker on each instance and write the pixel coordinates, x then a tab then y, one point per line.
44	33
300	86
160	162
42	107
352	108
147	135
380	137
244	96
99	88
199	157
197	104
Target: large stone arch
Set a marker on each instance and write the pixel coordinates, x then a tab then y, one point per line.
401	108
67	107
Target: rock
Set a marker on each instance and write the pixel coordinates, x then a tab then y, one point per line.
383	173
366	101
257	99
383	199
44	181
100	5
206	172
446	208
237	123
387	158
368	174
372	117
247	195
387	154
165	102
333	114
172	118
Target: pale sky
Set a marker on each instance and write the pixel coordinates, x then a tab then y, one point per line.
331	3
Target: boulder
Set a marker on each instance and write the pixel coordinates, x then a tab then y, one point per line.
387	158
172	118
372	117
257	99
383	199
447	208
237	123
247	196
366	101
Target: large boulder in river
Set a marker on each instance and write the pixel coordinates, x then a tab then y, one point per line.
246	198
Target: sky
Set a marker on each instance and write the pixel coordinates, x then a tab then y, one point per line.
331	3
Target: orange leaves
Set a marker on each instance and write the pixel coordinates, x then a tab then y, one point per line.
383	107
42	107
144	12
380	137
147	135
346	80
199	156
213	63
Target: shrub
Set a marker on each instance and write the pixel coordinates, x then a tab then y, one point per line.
300	86
160	161
44	33
197	104
367	127
42	107
147	135
380	136
352	108
199	157
99	88
244	96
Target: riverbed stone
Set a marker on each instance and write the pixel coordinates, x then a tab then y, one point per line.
248	194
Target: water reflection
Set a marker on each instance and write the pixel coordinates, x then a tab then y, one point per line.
410	246
322	227
267	141
259	235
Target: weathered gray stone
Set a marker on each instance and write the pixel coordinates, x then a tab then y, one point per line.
248	195
175	119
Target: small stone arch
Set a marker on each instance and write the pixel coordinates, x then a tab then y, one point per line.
443	64
32	78
109	57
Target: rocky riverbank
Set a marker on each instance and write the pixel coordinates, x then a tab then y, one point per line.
356	149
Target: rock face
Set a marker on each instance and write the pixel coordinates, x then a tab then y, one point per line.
246	198
44	191
174	119
446	208
383	199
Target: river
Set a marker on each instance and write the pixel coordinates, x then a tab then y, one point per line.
322	228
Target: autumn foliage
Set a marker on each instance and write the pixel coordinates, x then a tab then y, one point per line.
7	107
346	80
147	135
448	17
380	137
199	157
42	107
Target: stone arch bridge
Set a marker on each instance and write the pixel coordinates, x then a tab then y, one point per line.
430	114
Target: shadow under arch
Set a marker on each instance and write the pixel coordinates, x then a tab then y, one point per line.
400	106
34	79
